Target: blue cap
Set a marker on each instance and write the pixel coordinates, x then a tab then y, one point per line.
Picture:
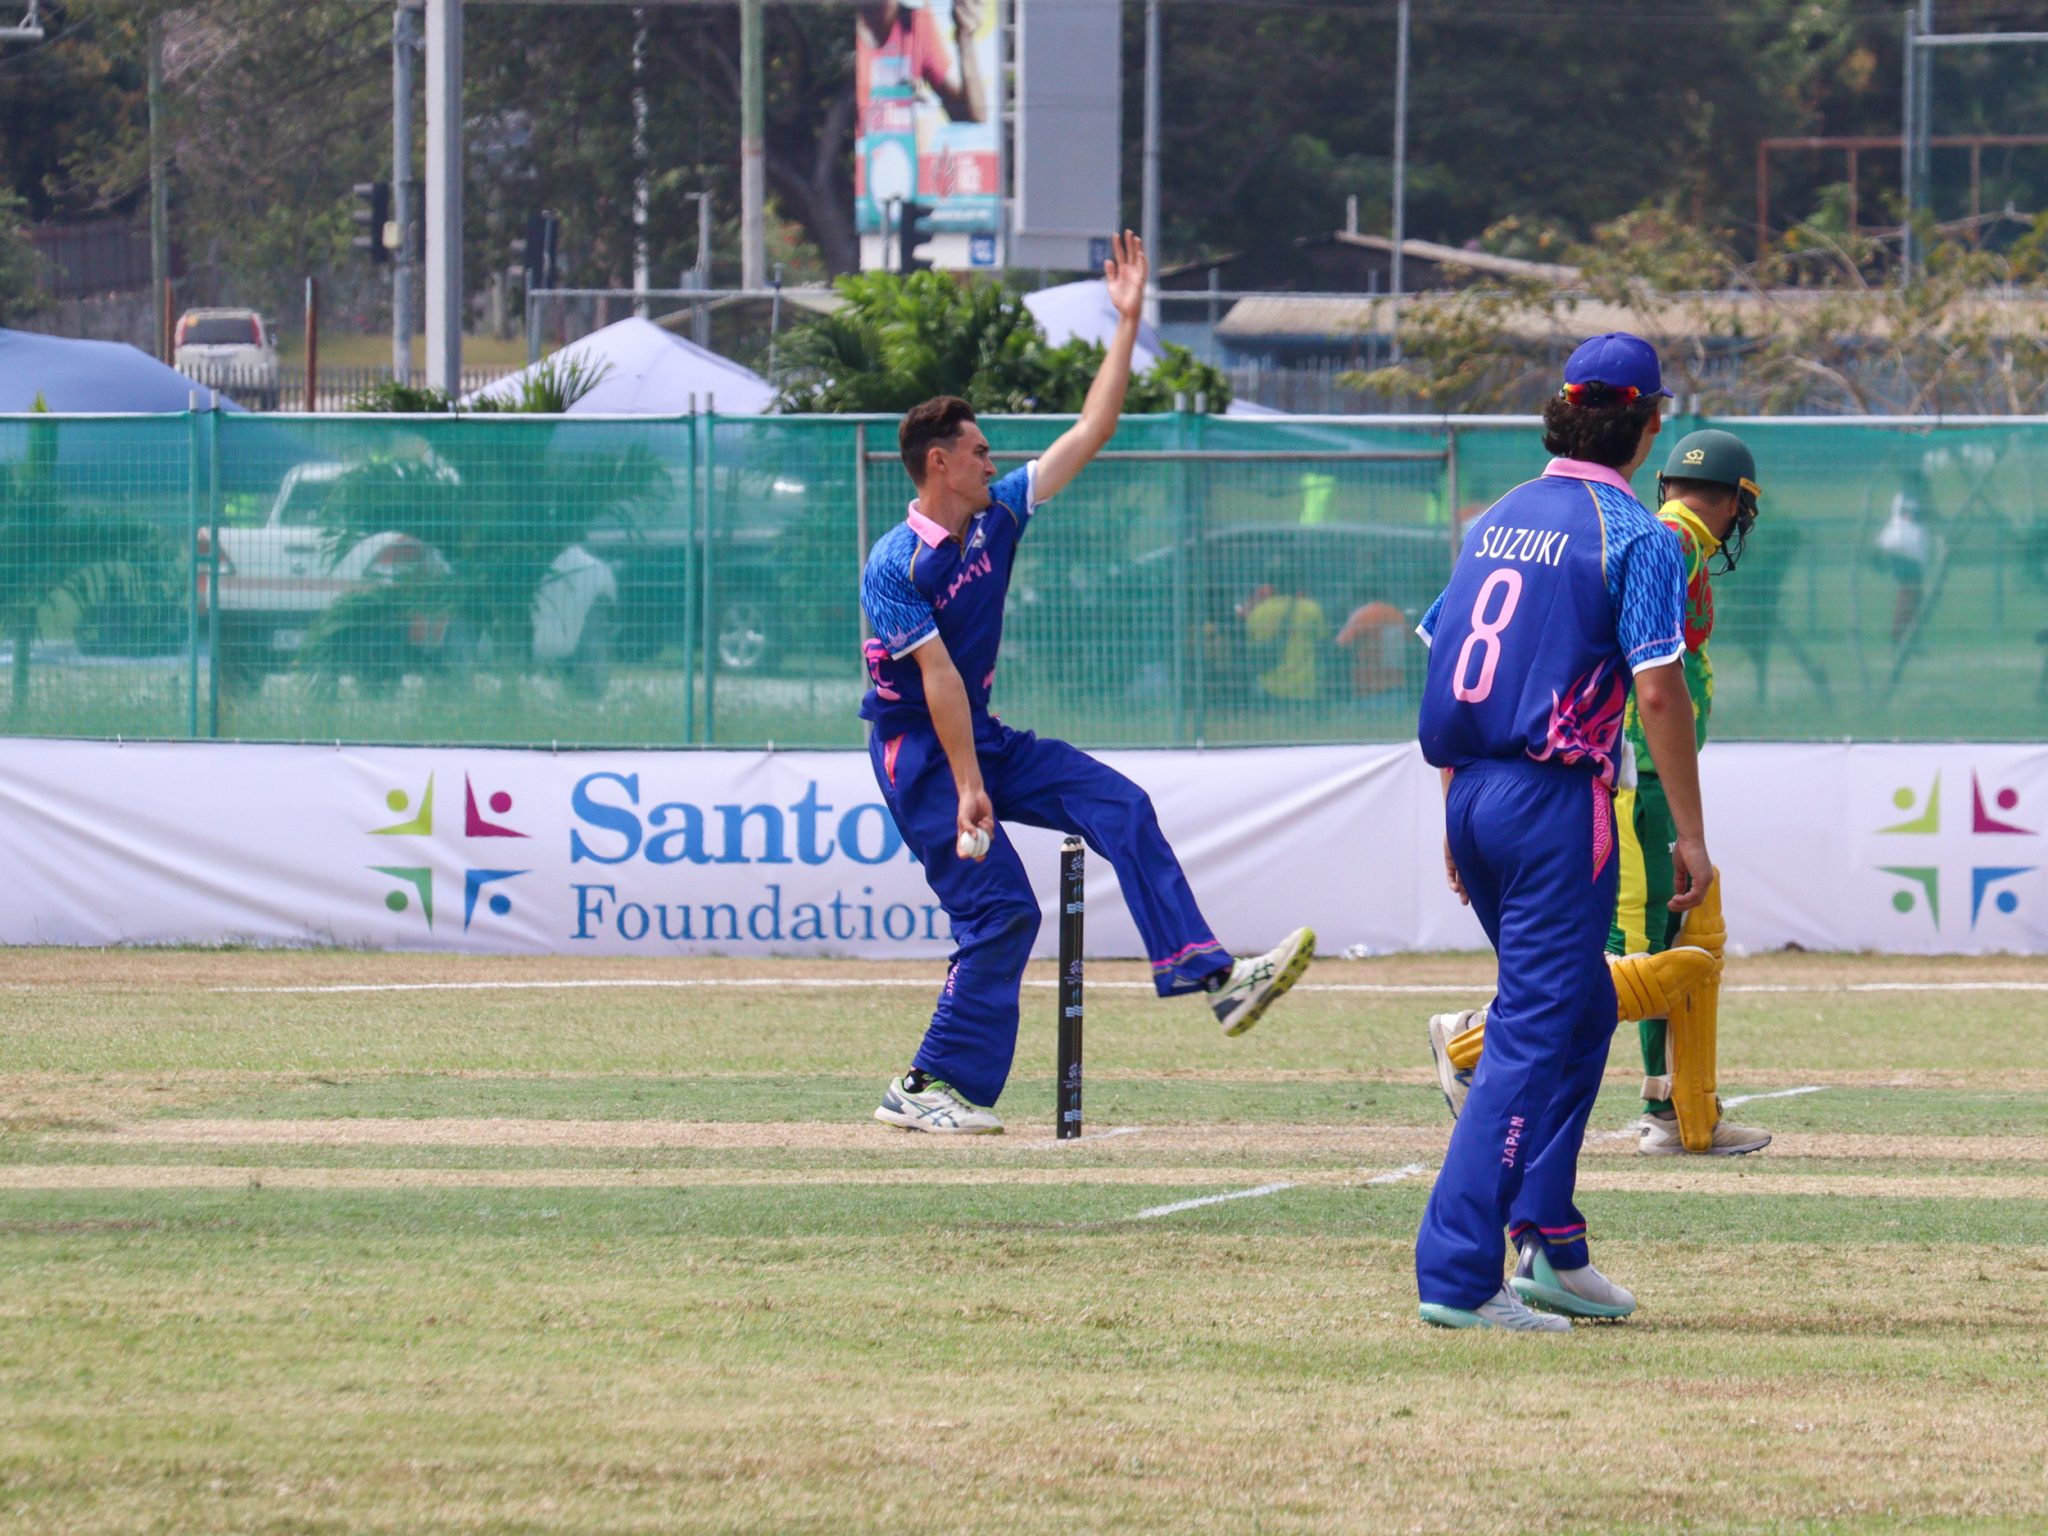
1618	360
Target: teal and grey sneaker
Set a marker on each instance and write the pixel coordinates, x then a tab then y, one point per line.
1254	985
1443	1029
935	1107
1572	1292
1503	1310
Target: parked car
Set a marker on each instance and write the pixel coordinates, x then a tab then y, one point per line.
276	579
231	350
1208	585
777	545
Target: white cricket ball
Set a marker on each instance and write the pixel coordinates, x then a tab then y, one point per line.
972	845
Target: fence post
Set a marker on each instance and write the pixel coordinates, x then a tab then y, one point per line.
860	538
213	557
708	606
1196	503
690	584
192	471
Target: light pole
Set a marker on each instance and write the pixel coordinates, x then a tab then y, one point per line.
1148	216
1400	175
405	49
444	195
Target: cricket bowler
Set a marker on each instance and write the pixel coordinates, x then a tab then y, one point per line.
1567	595
1708	497
953	775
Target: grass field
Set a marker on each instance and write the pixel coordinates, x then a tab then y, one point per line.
284	1252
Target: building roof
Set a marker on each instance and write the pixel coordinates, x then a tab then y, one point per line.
1732	317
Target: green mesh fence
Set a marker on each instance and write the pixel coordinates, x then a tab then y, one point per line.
694	581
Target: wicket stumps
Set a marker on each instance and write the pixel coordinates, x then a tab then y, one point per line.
1073	907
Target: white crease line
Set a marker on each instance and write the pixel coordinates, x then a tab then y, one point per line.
1634	1129
863	983
1114	1130
1782	1093
1189	1205
1397	1175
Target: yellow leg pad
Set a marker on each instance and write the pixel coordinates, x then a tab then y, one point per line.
1649	986
1695	1024
1645	987
1704	926
1466	1045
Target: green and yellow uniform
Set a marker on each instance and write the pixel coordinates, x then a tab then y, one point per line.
1643	922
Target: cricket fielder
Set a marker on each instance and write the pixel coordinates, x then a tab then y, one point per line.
1708	492
952	774
1567	594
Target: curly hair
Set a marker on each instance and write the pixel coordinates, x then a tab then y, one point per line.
934	424
1599	430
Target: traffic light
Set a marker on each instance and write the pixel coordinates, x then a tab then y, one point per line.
913	228
537	251
372	214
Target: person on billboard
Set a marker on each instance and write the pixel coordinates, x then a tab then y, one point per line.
898	47
953	775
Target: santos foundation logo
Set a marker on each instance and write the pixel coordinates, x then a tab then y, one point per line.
1996	839
416	881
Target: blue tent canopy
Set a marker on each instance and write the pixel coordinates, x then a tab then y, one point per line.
90	376
150	459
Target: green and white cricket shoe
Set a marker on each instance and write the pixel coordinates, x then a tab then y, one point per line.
936	1107
1443	1029
1504	1310
1569	1292
1256	984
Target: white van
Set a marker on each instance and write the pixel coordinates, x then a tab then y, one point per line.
230	350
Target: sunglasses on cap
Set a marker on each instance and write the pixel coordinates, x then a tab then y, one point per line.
1593	392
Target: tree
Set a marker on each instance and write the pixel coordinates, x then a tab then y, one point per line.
63	559
900	339
20	296
1960	339
499	507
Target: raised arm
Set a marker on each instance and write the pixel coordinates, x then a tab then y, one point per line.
1125	273
962	93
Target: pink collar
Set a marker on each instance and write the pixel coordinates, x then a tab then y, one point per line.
932	533
1580	469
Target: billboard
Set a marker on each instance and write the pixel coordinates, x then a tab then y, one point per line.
925	88
1069	126
1904	849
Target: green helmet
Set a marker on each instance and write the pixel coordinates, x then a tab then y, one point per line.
1719	458
1716	456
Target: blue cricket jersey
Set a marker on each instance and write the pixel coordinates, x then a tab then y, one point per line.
1565	588
920	582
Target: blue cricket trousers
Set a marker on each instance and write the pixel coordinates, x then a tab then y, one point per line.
1534	845
973	1033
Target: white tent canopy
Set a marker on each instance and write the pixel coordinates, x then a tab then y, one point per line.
1083	309
648	371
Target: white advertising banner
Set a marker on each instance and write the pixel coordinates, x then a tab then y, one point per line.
1913	849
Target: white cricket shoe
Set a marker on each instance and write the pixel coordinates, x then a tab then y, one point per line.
1443	1029
1661	1138
936	1107
1256	984
1583	1292
1503	1310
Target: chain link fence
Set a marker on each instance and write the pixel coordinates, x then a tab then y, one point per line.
694	581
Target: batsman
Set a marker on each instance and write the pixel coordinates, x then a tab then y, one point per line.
1708	498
